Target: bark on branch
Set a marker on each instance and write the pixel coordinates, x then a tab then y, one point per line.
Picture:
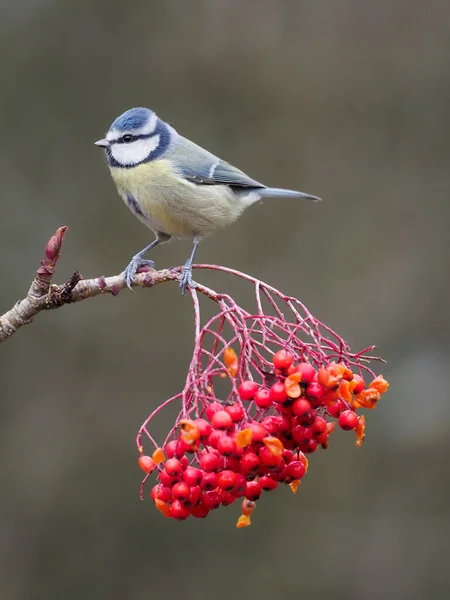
43	295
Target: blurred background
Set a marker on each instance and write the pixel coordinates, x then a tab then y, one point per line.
349	101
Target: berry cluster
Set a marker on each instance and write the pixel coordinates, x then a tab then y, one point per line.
259	437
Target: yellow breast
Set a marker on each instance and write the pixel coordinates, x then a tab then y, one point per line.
153	187
166	202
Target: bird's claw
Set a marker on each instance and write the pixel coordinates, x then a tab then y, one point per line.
186	279
135	264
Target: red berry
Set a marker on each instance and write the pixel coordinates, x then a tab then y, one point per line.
262	398
147	464
301	434
161	492
279	474
226	445
227	498
282	360
209	461
238	451
192	476
308	372
204	428
295	470
271	424
301	407
240	485
173	467
195	496
360	384
267	483
319	427
285	424
308	419
236	412
322	438
212	500
258	432
181	491
314	391
287	455
178	511
215	436
182	448
278	425
226	480
166	479
247	390
221	420
308	446
278	394
334	410
249	464
212	408
253	490
268	459
199	511
209	481
232	464
288	443
348	420
171	448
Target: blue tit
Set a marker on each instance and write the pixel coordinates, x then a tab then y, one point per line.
176	188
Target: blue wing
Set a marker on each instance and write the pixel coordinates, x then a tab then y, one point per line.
200	166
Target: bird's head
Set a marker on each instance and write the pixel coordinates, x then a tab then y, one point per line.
137	136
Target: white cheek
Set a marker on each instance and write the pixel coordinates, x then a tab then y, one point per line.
134	152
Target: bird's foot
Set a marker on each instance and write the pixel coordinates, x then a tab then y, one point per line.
136	263
186	278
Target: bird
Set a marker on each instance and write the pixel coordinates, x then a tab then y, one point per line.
175	187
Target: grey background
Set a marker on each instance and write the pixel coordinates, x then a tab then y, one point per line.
348	100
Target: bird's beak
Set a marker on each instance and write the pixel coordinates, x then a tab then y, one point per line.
102	143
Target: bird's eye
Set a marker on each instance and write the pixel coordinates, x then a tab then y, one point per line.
127	138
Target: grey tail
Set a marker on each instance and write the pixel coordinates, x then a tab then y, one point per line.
281	193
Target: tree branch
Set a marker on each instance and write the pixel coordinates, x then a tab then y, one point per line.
42	295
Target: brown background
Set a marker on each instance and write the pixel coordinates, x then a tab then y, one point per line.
348	100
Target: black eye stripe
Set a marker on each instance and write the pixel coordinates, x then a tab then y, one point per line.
132	138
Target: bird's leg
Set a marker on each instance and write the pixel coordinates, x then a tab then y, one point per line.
186	274
139	261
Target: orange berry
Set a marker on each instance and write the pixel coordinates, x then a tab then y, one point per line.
360	431
344	391
243	521
304	460
147	464
368	398
346	373
357	384
158	456
331	425
244	438
162	507
229	356
292	385
380	384
190	433
248	506
294	486
231	362
274	445
326	379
